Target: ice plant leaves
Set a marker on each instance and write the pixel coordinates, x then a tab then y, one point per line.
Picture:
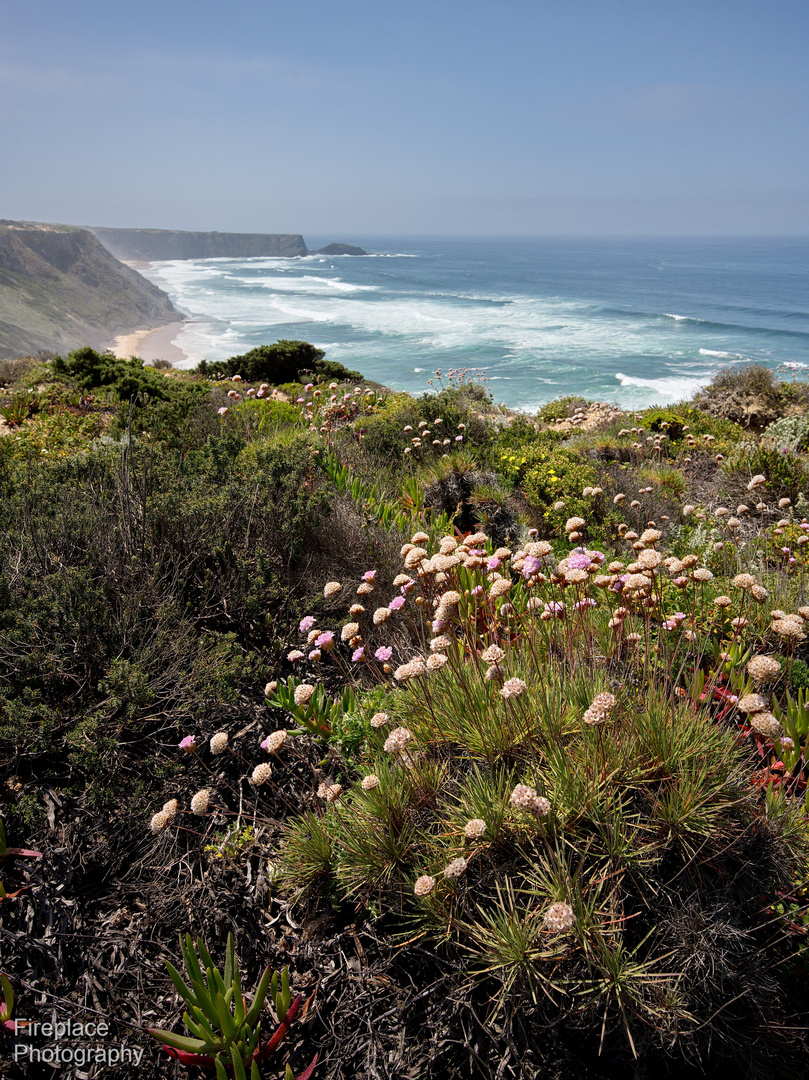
225	1033
320	713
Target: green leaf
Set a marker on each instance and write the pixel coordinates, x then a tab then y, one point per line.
238	1064
230	960
205	1003
215	980
195	1028
252	1041
204	955
225	1019
185	993
238	998
253	1013
254	1073
221	1073
283	999
179	1042
190	958
8	998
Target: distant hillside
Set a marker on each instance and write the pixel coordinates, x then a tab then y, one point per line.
60	288
144	245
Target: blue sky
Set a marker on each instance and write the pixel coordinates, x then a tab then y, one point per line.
346	119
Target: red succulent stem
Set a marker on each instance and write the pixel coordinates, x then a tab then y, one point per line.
201	1060
280	1031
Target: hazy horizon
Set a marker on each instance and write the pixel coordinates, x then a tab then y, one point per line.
607	118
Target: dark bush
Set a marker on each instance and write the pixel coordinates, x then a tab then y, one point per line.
146	583
286	361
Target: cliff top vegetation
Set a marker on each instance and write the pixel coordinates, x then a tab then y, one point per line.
491	728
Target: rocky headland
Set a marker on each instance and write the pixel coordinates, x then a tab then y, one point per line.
146	245
61	288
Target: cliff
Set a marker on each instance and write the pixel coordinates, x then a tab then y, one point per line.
60	288
145	245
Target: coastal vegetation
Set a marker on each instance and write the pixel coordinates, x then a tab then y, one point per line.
486	732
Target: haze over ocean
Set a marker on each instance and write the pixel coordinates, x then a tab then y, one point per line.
638	321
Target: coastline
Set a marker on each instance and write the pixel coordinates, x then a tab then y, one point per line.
155	344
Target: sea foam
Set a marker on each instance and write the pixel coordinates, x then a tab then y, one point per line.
549	318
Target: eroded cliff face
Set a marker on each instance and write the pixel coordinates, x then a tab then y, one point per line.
146	245
60	289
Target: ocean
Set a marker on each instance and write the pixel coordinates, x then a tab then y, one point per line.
633	321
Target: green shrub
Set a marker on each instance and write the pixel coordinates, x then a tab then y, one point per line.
558	474
562	408
786	473
163	407
512	453
124	379
283	362
384	434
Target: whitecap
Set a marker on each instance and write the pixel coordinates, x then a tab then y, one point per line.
720	355
670	387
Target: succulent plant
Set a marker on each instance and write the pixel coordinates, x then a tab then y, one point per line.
225	1031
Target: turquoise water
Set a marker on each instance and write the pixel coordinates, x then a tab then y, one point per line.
635	321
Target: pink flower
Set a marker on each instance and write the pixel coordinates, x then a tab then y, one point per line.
314	654
385	652
369	575
223	410
493	563
325	640
309	386
582	604
396	603
306	624
459	438
189	744
358	654
478	590
579	561
530	566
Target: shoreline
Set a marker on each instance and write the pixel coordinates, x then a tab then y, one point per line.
154	344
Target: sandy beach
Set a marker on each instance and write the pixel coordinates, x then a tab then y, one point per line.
154	344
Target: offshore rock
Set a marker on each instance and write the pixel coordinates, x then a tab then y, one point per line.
339	249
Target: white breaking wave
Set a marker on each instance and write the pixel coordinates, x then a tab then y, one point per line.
670	387
397	323
721	355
